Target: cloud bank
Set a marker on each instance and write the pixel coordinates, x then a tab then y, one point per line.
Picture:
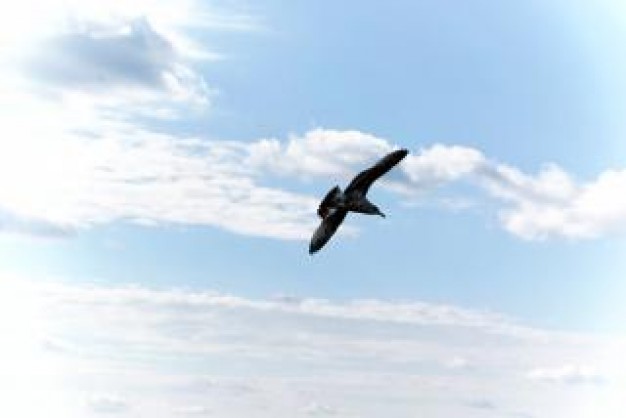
127	173
136	351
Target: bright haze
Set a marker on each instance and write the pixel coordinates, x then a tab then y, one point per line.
161	163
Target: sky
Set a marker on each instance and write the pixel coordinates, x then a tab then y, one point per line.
160	168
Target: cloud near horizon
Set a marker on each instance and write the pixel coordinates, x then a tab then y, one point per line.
568	374
138	351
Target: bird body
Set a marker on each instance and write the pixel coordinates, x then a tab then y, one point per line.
337	203
353	201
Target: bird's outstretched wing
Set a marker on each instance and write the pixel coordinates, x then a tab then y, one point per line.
364	179
326	230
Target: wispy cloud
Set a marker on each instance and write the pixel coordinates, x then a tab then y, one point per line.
457	363
143	177
108	404
319	410
137	351
568	374
481	404
11	223
193	410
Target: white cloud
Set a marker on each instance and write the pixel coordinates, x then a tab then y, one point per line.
90	56
315	409
117	171
231	387
77	183
569	374
108	404
94	67
320	152
30	21
441	164
457	363
193	410
83	64
481	404
416	313
340	154
552	204
87	162
120	69
192	352
548	204
14	224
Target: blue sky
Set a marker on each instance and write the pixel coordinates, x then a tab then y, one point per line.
165	161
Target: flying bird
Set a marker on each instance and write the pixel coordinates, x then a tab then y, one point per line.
336	204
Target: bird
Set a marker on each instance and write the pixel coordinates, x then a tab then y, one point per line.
336	203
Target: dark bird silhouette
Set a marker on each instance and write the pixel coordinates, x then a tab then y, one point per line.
336	204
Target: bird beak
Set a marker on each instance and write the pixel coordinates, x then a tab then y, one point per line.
382	214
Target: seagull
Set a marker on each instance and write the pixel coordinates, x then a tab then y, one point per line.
336	204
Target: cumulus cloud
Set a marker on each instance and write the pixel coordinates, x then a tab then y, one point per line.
77	67
85	178
441	164
122	59
320	152
338	154
548	204
94	57
553	204
121	68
